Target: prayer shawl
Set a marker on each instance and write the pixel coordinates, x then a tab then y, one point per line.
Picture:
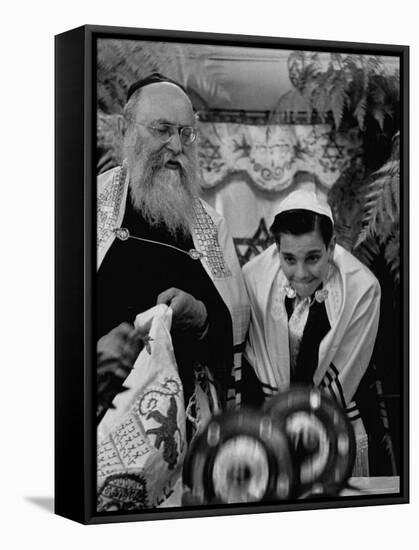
210	237
352	306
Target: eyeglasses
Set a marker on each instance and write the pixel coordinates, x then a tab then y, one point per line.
164	132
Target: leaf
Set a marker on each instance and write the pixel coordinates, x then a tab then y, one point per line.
349	87
122	62
392	253
360	111
344	235
367	251
296	62
375	65
337	102
108	142
382	203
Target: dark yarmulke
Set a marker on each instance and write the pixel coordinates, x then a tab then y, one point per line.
153	78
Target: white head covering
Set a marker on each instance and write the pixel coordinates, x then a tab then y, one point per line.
308	196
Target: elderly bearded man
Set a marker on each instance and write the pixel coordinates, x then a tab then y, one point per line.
153	199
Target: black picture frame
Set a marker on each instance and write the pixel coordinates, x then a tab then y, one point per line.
75	242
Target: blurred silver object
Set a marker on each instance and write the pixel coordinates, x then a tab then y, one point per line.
321	439
239	457
300	445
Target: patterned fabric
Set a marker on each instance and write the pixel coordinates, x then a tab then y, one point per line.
206	232
271	155
108	206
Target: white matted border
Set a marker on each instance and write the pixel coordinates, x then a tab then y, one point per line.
27	273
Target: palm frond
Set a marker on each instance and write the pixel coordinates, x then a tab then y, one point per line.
208	80
392	254
352	88
374	65
360	111
338	101
122	62
109	145
367	251
382	202
344	235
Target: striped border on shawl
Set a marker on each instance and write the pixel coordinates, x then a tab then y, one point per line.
352	412
332	384
234	396
268	390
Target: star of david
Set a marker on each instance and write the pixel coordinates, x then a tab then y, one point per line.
210	151
249	247
332	151
209	154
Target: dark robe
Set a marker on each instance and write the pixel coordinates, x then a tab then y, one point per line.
133	274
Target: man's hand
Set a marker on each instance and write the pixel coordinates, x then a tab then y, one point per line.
121	345
117	352
189	314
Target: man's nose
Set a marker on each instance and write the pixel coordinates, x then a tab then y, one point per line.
300	271
175	144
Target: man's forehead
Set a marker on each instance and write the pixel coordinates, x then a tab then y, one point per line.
165	101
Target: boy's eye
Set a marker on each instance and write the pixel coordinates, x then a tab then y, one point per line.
289	259
313	259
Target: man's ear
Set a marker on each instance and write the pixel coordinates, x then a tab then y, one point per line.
121	126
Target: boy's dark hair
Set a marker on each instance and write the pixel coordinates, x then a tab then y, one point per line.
299	222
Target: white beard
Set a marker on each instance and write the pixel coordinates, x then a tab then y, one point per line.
164	197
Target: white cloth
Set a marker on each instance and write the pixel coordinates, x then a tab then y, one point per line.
352	306
141	442
307	196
